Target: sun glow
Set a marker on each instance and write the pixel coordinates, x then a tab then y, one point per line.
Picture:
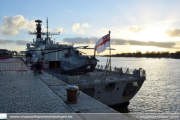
143	49
152	34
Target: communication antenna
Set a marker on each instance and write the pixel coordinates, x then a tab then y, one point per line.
39	33
47	27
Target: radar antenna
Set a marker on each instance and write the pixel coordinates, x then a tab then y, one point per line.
38	31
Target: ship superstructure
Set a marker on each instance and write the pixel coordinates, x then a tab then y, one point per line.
42	45
53	53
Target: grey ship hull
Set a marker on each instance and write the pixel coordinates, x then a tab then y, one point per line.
115	92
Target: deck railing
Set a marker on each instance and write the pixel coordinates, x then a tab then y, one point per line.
17	66
12	66
100	77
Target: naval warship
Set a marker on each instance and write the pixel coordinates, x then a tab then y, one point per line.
111	86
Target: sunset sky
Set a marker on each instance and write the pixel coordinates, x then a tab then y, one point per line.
146	25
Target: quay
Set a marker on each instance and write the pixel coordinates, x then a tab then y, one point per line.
28	93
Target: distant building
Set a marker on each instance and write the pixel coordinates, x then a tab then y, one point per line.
5	52
14	52
22	52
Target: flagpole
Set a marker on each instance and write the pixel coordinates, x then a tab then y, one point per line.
94	52
110	53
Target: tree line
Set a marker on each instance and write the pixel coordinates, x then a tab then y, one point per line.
148	54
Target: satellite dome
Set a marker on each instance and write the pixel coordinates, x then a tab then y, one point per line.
28	45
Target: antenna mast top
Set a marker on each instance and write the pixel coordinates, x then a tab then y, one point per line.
47	26
39	32
38	28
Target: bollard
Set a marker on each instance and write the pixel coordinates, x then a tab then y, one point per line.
72	94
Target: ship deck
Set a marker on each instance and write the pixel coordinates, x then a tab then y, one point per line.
99	76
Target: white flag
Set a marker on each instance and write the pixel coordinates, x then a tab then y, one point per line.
102	43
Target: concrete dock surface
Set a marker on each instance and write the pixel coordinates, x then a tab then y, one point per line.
29	93
26	93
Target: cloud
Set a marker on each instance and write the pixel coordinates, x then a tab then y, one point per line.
136	29
22	42
113	30
11	25
59	29
152	43
85	25
81	31
32	25
93	40
79	40
45	30
118	31
75	27
18	42
104	30
173	33
9	31
5	41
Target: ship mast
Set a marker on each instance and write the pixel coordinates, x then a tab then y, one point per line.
47	29
38	31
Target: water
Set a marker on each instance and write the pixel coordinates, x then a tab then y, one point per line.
160	92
